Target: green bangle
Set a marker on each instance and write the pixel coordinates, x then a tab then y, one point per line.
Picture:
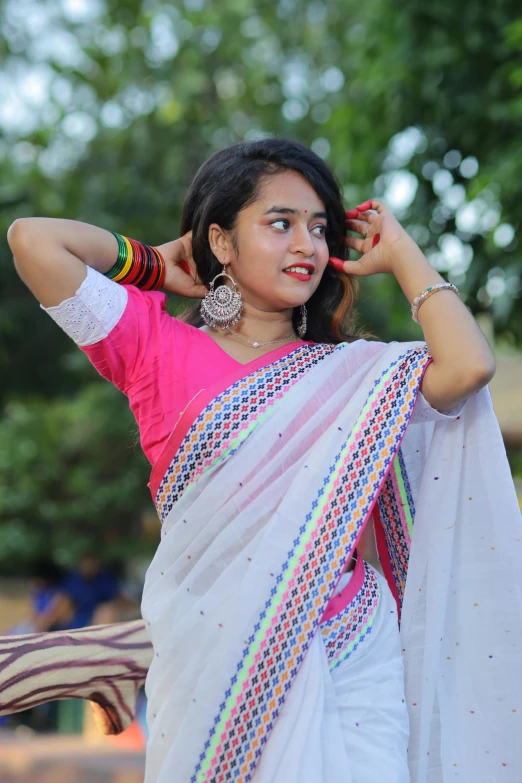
137	264
122	257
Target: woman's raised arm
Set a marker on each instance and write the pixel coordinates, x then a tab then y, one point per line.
50	255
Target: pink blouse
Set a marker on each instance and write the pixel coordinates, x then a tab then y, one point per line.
158	361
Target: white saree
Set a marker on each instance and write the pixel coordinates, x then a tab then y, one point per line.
264	490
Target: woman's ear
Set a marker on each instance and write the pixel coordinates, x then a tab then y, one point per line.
217	241
221	243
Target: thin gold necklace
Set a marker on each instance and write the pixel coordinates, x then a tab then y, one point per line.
259	345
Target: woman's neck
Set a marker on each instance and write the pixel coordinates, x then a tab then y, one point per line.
262	328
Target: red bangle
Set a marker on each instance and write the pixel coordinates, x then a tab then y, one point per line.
162	269
145	265
137	266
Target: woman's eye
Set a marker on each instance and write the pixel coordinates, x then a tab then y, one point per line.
321	227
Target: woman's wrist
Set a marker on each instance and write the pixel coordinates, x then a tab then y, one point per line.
137	264
458	347
411	268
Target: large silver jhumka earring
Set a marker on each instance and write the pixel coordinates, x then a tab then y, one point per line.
223	306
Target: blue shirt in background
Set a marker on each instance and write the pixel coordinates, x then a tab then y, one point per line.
87	594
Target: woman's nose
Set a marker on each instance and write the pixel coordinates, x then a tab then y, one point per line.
302	241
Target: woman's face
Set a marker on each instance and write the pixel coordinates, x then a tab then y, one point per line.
285	227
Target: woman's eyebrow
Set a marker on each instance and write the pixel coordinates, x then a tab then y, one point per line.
288	211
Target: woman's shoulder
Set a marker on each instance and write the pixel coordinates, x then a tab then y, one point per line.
363	347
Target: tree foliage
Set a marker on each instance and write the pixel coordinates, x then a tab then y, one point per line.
108	108
71	471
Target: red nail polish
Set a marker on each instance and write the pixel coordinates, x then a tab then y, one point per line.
184	265
363	207
337	263
351	213
376	239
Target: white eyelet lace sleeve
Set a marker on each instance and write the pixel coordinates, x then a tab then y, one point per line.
92	313
423	411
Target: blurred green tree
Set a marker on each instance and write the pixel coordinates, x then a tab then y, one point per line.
71	472
107	108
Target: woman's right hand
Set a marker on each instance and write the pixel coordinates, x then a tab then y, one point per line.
177	281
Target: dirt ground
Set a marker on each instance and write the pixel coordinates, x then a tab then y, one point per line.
62	759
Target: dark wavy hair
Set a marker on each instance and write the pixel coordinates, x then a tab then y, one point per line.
230	181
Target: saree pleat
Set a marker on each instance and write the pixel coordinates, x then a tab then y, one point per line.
369	689
308	741
254	545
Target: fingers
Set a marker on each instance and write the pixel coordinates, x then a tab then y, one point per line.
189	268
193	269
184	266
192	264
368	217
187	264
358	244
198	291
375	204
186	241
348	267
337	263
355	243
194	288
360	226
362	211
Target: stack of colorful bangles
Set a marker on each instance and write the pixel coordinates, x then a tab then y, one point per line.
137	264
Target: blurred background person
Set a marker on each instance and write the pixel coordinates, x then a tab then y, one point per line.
86	588
49	608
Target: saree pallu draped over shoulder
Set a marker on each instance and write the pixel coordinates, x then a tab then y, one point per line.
264	490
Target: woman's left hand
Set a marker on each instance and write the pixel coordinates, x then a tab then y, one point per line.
383	239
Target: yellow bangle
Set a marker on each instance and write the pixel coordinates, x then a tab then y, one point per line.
128	261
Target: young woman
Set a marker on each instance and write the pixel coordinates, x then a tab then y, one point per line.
284	447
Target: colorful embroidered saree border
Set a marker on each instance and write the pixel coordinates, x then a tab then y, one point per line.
393	522
288	623
228	419
343	634
205	397
339	602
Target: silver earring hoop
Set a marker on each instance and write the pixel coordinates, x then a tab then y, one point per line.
222	306
301	329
